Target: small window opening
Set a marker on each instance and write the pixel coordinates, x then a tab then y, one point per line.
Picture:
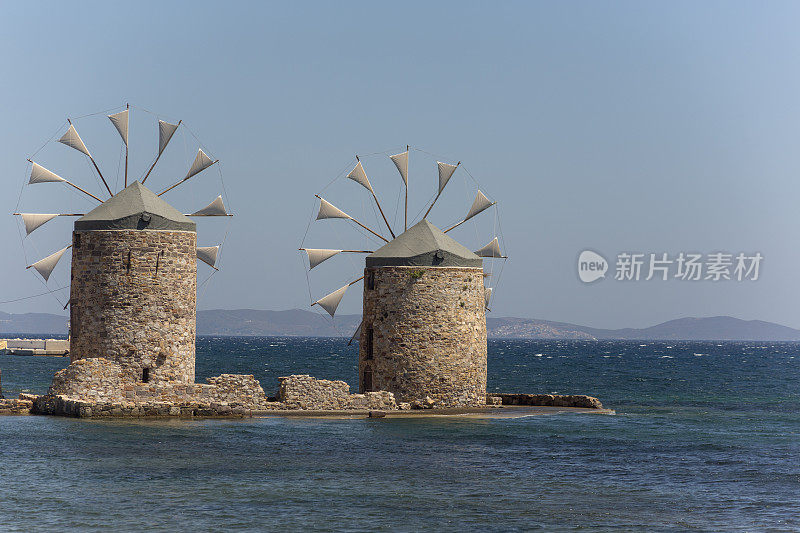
366	383
145	375
370	280
368	347
77	240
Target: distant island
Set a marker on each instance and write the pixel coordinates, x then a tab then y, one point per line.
302	323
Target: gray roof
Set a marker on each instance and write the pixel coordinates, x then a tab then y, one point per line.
135	207
423	244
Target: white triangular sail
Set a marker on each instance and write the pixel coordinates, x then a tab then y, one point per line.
73	140
318	255
120	121
214	209
208	254
45	266
487	295
490	250
401	162
34	220
445	173
201	162
331	301
328	210
39	174
165	132
359	176
480	204
356	333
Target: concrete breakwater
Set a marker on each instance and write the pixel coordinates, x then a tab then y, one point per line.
49	347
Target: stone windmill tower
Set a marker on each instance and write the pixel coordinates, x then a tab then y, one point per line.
423	330
134	287
424	324
133	283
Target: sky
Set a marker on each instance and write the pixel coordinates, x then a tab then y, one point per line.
648	127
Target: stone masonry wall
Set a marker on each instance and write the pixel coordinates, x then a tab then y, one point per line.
428	335
100	380
16	406
95	379
549	400
97	387
305	392
133	298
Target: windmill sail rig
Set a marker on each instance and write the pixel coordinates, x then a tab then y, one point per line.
416	239
145	208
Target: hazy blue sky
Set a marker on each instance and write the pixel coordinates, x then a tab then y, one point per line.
613	126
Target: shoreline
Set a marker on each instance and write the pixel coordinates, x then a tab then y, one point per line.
497	406
23	407
498	412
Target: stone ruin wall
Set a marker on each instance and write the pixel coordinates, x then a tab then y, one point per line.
133	298
545	400
102	381
97	387
428	335
305	392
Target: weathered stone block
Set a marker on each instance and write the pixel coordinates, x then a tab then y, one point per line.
306	392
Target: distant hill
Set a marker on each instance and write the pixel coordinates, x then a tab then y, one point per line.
33	323
527	328
707	328
302	323
294	322
298	322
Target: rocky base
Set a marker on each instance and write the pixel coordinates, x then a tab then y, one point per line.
94	388
545	400
99	380
97	388
64	406
20	406
298	394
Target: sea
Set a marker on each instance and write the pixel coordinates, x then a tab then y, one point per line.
706	437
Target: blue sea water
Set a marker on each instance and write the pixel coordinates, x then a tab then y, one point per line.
706	438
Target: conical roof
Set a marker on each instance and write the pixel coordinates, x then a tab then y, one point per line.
424	244
135	207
